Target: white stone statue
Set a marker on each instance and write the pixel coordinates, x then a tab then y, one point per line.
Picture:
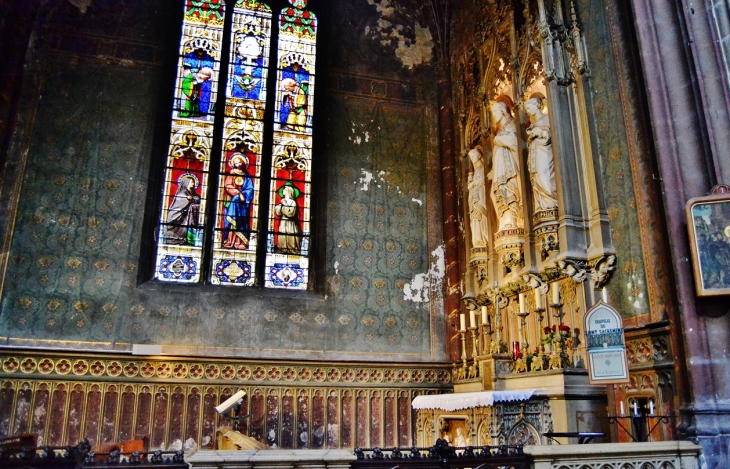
540	161
460	441
505	175
477	199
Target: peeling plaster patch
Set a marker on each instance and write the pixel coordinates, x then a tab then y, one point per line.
419	52
369	178
419	202
357	139
409	51
365	180
418	290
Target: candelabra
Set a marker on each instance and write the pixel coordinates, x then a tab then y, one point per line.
558	314
474	347
463	351
523	330
486	336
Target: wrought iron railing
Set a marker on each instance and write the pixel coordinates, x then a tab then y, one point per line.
441	455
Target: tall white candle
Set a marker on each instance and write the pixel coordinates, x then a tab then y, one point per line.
636	409
555	290
462	322
538	299
604	294
651	408
622	408
484	315
472	318
522	302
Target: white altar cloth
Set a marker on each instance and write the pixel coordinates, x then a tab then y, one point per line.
467	400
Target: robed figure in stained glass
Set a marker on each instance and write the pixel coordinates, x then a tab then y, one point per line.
236	208
194	102
182	216
289	239
295	98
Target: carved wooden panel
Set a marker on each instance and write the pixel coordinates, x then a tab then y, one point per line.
272	420
287	419
93	413
303	420
318	411
181	410
347	420
333	420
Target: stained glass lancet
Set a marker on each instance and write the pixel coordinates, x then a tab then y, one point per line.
180	236
288	243
235	240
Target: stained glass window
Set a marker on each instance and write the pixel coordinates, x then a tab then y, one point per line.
227	165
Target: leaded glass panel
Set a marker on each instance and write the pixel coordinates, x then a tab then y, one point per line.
235	240
182	219
287	258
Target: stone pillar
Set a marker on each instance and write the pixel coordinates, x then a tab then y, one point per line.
688	108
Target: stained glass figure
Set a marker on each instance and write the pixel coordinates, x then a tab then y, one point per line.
235	241
287	261
182	219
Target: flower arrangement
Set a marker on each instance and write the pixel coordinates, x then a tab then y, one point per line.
555	333
549	335
563	333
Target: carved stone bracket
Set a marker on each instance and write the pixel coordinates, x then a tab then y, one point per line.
602	269
509	246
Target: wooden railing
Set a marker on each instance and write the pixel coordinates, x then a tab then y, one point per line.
441	455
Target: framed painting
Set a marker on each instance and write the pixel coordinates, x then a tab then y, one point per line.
708	222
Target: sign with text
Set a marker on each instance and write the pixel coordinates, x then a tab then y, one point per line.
605	345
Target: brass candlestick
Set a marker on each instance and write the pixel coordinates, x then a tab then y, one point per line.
474	352
463	351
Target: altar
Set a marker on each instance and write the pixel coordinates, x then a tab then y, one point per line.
524	408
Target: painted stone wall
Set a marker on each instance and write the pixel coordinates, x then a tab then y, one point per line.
78	185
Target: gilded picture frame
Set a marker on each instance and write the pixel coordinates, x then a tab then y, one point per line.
708	224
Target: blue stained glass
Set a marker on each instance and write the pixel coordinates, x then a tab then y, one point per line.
248	68
178	267
233	271
286	275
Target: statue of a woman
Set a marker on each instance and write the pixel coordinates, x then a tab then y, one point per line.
506	186
477	199
540	162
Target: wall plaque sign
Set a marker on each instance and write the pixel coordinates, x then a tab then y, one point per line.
605	345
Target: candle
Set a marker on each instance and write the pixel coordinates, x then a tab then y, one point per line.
522	302
622	408
636	409
484	315
651	408
462	322
538	299
515	350
604	295
555	290
472	318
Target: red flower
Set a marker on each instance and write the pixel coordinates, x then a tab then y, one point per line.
564	329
